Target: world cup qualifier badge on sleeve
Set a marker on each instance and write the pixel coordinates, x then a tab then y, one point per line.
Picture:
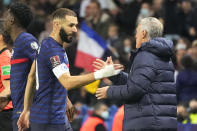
55	61
34	45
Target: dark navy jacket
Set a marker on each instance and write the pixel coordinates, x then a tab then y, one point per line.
186	85
149	90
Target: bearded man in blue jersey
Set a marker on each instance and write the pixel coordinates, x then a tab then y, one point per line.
53	78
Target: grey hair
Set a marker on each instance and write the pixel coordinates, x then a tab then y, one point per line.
152	26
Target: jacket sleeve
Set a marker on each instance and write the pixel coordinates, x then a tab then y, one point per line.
119	79
137	84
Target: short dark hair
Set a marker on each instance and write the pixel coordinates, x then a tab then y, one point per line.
22	14
62	12
96	2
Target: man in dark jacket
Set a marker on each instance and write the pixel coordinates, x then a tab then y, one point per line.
148	90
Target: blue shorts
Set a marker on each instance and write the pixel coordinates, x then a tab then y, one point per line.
15	127
50	127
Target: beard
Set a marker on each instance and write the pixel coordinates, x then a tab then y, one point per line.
68	38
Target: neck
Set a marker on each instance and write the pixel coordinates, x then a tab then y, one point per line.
56	37
2	45
15	32
145	40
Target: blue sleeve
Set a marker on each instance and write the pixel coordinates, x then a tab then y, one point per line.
119	79
30	49
137	84
55	57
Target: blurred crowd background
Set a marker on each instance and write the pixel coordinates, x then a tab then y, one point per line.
115	21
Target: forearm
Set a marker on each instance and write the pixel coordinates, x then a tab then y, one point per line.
29	93
136	86
119	79
30	88
125	92
70	82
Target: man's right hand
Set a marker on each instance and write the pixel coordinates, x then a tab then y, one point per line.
106	69
23	121
100	64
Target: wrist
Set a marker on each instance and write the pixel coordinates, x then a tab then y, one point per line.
98	74
26	109
106	72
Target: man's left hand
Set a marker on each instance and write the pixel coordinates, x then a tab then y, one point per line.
101	93
23	121
70	111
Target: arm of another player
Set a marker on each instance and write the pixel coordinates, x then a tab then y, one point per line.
23	122
70	82
30	88
58	63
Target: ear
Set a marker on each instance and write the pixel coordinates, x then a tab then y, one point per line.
144	34
12	20
56	25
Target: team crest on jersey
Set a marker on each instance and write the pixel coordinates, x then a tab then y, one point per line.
34	46
55	61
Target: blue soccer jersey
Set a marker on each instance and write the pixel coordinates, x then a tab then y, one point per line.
23	54
49	104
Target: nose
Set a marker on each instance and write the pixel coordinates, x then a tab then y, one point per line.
74	29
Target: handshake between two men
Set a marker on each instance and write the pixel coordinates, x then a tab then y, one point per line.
102	70
113	69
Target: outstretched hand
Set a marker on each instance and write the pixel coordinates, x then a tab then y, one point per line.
23	121
101	93
99	64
